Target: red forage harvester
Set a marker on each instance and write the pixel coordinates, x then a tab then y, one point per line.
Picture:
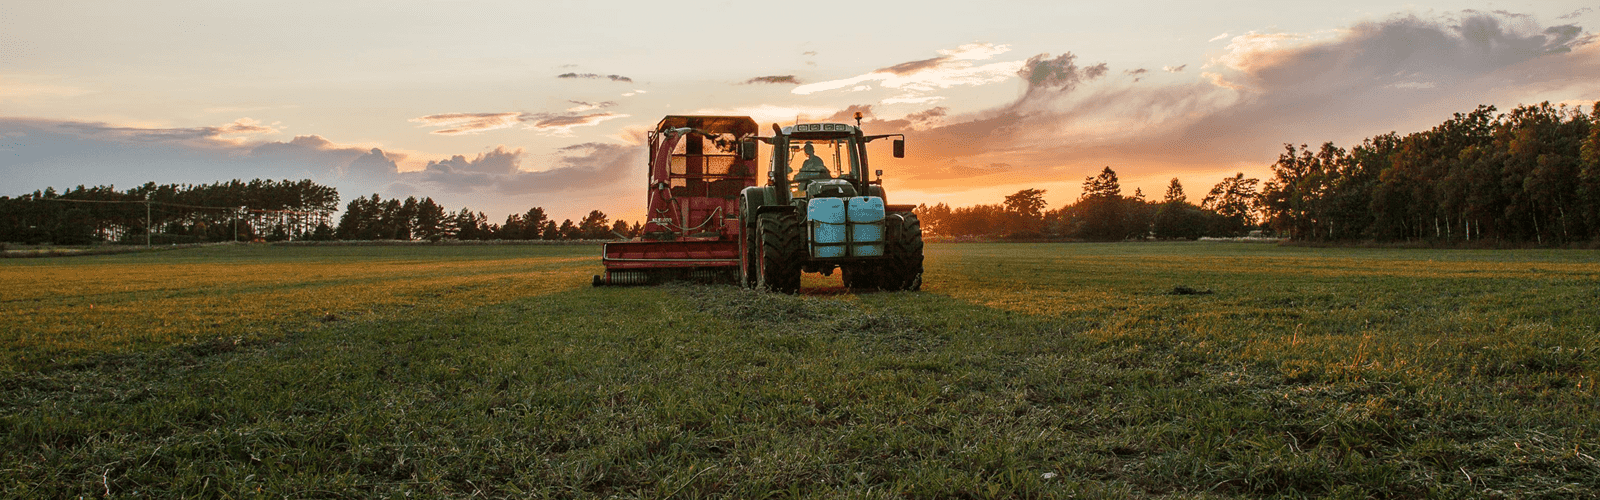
698	166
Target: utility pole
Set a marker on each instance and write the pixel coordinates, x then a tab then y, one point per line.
147	220
236	216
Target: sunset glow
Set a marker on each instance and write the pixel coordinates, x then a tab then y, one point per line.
505	106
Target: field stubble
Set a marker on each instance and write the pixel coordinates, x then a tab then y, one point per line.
1021	370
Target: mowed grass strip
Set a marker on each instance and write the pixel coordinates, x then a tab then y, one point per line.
1045	371
61	310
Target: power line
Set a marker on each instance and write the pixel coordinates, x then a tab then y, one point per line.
202	207
148	216
140	202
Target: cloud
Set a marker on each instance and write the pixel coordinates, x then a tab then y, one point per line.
594	76
585	165
958	171
1223	36
375	165
1413	85
65	153
215	137
499	171
499	161
36	153
871	121
1575	14
770	113
557	124
928	117
1265	89
914	79
1068	120
912	67
1473	45
20	88
785	79
313	151
581	106
470	123
1060	74
912	99
564	123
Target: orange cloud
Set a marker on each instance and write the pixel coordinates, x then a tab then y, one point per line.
557	124
915	79
470	123
1267	89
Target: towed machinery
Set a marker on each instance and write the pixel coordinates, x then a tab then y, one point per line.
691	228
820	211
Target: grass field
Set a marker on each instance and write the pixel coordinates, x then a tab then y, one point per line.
1021	370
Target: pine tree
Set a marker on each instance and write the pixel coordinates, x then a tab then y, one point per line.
594	226
533	223
1175	192
1102	208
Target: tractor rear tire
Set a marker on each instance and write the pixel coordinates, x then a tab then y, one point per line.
782	252
904	269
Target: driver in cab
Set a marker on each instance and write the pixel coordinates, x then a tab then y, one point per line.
813	168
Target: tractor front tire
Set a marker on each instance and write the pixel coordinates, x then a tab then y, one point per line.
749	257
782	252
904	270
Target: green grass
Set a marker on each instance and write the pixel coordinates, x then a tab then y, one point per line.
67	308
1021	370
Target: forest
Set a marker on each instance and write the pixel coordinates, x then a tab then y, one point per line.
1528	176
265	210
1103	213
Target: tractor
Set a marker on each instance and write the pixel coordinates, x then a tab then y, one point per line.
709	221
828	214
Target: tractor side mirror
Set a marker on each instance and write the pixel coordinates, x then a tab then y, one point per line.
747	150
899	148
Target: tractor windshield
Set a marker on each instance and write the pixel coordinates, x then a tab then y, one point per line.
815	159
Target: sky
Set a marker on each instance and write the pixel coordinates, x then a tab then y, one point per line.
501	106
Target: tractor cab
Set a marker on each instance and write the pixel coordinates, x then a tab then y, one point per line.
824	160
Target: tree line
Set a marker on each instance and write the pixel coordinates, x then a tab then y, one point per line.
169	213
1528	176
1103	213
373	218
265	210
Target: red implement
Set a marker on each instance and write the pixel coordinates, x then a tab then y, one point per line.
698	166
